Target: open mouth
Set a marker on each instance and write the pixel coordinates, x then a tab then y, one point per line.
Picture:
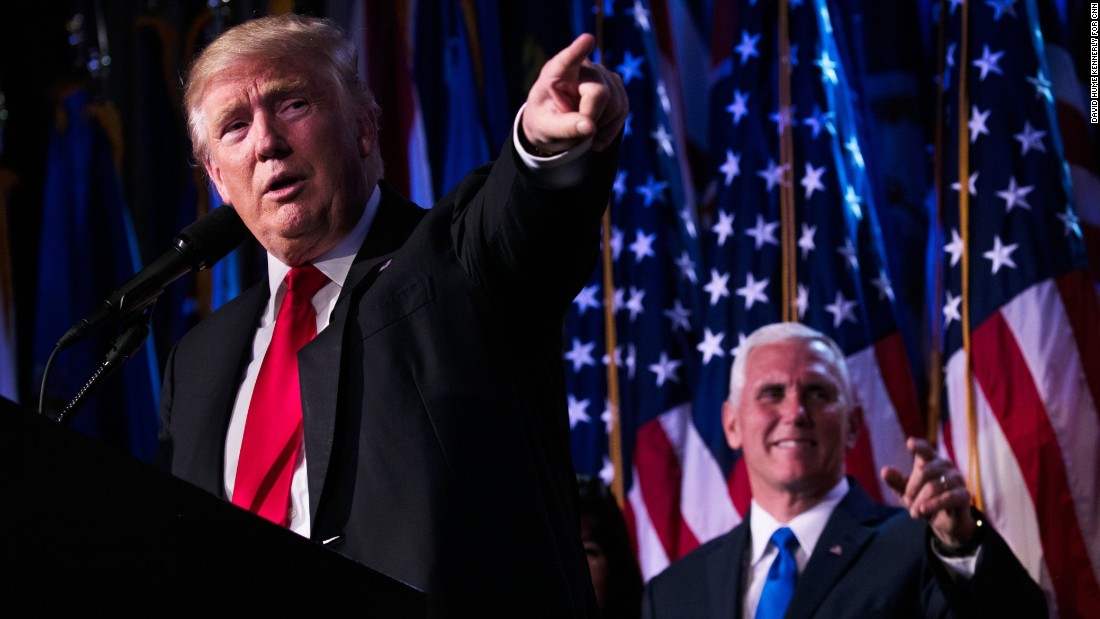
282	182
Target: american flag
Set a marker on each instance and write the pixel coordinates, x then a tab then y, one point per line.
712	284
650	290
1022	386
88	248
793	235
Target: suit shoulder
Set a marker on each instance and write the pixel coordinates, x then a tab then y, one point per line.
241	312
692	565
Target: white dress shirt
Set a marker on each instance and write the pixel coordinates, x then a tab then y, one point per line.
807	528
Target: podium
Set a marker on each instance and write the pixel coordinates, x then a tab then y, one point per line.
87	528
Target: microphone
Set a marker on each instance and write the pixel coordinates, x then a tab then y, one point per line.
199	245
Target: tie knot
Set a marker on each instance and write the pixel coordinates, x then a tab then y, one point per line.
784	538
303	282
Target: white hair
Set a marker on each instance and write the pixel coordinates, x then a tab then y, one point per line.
783	332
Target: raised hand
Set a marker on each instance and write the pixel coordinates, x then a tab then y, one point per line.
935	492
574	100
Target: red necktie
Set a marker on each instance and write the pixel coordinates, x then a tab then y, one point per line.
273	428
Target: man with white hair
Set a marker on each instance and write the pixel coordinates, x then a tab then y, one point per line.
813	543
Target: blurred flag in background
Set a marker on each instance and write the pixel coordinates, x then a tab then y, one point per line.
88	250
1020	320
631	361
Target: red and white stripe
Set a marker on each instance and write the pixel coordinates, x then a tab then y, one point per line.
1038	427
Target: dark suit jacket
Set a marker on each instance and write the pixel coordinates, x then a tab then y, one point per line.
435	423
871	561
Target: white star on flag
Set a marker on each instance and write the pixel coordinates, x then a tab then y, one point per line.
732	166
739	107
841	309
634	303
773	174
581	354
664	140
578	412
885	290
711	346
806	241
747	47
1001	255
1014	195
988	63
977	122
955	247
802	300
687	267
951	309
812	180
665	369
763	232
849	253
679	316
971	184
1030	139
753	290
587	299
718	286
642	245
724	227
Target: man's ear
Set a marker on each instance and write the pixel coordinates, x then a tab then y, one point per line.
855	424
215	174
368	136
730	425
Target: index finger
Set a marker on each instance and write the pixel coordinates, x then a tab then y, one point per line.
922	454
570	58
921	449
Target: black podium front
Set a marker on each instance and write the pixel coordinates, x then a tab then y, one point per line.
86	528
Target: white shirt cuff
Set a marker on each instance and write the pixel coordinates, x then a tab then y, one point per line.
561	170
960	567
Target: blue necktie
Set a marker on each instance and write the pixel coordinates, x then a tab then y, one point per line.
779	587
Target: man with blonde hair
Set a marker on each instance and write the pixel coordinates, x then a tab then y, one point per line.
424	431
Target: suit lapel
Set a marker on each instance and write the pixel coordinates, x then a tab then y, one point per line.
725	574
213	404
840	544
319	361
395	221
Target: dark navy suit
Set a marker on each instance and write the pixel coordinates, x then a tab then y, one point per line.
871	561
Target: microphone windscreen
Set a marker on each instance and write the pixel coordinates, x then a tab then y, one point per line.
212	236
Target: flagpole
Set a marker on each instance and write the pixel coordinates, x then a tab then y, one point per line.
974	475
786	164
614	440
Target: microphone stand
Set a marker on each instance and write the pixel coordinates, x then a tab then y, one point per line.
124	347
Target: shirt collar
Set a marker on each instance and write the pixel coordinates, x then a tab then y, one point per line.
336	262
807	526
